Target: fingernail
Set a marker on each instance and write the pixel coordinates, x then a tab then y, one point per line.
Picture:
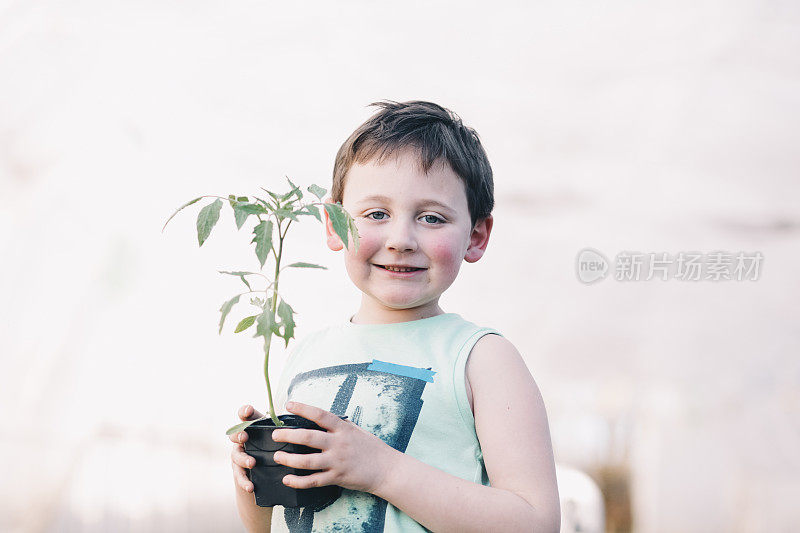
289	405
241	437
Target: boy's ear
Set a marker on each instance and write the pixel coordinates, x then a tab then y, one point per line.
334	242
479	239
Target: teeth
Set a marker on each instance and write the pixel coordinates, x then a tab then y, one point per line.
399	269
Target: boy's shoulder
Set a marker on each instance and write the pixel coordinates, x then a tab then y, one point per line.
493	355
494	341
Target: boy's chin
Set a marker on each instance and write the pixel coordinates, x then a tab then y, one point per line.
397	305
402	304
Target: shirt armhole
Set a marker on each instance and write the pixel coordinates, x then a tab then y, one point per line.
460	379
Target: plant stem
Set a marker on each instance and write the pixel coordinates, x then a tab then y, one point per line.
268	339
267	343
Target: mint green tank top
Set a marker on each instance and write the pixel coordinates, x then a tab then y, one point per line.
403	382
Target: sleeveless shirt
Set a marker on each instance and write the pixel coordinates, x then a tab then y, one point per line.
405	383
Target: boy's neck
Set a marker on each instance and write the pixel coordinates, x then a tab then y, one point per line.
371	314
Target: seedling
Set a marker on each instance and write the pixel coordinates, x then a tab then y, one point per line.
274	214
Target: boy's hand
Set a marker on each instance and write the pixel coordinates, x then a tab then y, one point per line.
239	459
351	457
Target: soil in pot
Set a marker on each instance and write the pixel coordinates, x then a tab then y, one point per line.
267	476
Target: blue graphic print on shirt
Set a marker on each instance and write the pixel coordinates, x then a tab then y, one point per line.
383	403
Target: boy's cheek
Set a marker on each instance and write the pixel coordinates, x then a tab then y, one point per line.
449	257
367	247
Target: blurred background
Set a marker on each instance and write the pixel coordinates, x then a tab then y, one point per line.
618	126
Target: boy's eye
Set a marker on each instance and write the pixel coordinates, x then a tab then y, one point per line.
376	213
435	220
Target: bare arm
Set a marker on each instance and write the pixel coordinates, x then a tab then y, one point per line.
511	424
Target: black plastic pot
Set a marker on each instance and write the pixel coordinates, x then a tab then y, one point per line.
267	475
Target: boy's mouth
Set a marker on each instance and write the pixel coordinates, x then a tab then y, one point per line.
392	268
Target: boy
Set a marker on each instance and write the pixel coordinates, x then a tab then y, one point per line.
446	428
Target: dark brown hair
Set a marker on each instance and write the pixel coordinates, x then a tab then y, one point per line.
436	133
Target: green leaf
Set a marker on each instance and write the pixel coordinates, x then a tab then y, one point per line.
306	265
312	210
285	213
338	218
258	302
242	211
285	311
206	220
264	323
269	206
263	239
241	275
244	425
275	197
253	209
245	323
225	309
351	225
187	204
317	191
276	328
295	189
239	214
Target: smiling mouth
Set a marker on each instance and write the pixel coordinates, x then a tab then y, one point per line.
399	269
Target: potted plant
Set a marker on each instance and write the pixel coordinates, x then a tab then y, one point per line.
273	317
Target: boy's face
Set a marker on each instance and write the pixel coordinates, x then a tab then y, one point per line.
394	205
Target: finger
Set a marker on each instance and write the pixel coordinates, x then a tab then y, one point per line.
308	437
248	412
319	479
240	477
242	459
306	461
239	437
323	418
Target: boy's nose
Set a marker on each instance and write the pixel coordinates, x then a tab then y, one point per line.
401	238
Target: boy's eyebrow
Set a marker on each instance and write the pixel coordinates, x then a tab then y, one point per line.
386	199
